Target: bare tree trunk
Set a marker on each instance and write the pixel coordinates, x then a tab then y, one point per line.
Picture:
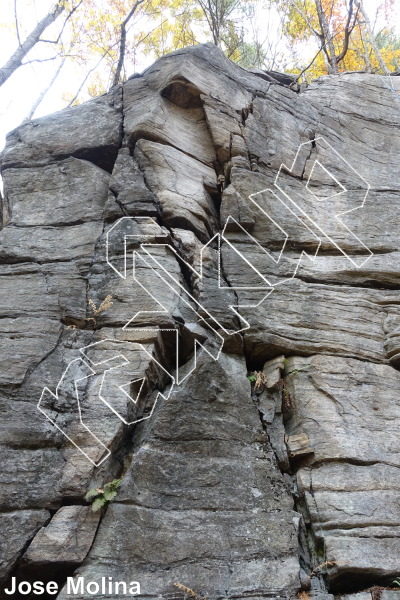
211	13
15	61
122	45
365	49
326	63
329	45
218	19
371	37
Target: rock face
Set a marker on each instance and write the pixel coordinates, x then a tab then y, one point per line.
243	380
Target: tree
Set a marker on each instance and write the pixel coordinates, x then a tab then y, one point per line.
122	42
265	44
35	37
332	23
343	32
370	36
388	43
217	13
103	42
95	40
109	39
15	60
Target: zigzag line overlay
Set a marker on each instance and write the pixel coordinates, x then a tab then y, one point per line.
128	229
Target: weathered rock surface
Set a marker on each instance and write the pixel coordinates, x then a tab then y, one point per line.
18	528
239	489
202	489
66	540
91	131
350	482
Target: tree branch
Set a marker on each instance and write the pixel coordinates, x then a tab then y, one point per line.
320	50
348	31
63	27
308	66
43	93
40	60
371	37
16	22
15	61
122	44
307	20
88	74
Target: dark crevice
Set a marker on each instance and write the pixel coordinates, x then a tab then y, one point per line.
319	575
119	203
369	284
312	147
245	112
159	219
7	581
181	92
89	318
353	581
31	369
306	540
104	157
55	225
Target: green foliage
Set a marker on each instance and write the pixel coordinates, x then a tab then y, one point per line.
98	504
103	496
251	55
252	378
397	581
388	42
298	370
93	493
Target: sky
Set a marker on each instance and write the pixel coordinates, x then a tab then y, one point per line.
20	91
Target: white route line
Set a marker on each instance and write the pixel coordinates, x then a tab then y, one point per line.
175	330
81	362
390	86
56	396
151	262
184	292
336	216
127	362
311	257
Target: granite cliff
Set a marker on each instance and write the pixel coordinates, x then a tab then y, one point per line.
272	467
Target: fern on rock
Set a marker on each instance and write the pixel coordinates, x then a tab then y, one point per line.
101	497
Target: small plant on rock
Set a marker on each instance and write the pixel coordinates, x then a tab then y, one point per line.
103	306
295	371
97	310
258	379
103	496
327	564
188	591
397	582
286	399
